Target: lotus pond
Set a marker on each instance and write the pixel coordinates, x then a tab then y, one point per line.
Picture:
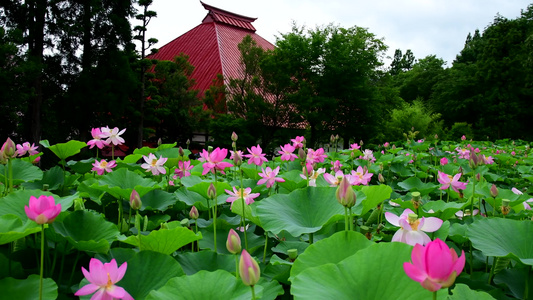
414	220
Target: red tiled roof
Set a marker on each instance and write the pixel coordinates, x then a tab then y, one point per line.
212	46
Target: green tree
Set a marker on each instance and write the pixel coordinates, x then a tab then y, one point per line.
329	74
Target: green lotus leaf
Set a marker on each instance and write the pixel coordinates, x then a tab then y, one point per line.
444	210
27	289
14	203
462	291
205	260
375	272
374	195
82	166
503	238
121	182
54	177
330	250
201	188
191	198
148	271
165	241
64	150
250	211
302	211
157	200
23	171
12	228
205	285
190	181
87	231
413	184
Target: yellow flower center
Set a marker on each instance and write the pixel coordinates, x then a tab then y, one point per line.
109	282
103	164
154	162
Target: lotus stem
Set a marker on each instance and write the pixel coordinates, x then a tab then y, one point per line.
42	263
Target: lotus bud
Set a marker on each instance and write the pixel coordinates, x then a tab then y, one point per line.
233	145
416	199
237	158
8	149
234	137
380	178
159	142
393	147
332	139
233	243
478	177
135	200
249	269
337	137
181	152
193	213
145	223
345	193
301	154
494	191
188	142
211	191
293	254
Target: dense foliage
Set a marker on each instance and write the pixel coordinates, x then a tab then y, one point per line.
67	66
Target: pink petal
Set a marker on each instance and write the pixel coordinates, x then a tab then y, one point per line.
430	224
414	273
430	285
418	257
116	291
391	218
438	260
87	289
398	236
460	263
416	237
98	272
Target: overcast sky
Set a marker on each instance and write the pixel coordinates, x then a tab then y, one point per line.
427	27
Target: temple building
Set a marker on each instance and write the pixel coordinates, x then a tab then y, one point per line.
212	46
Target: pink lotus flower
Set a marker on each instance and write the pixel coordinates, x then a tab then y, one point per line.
183	169
361	176
244	193
102	278
447	180
298	142
256	156
463	138
315	156
355	146
461	214
413	230
435	266
487	160
102	166
97	140
287	153
386	144
42	210
112	136
154	165
368	155
336	166
443	161
249	269
335	180
269	176
463	153
214	160
26	147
